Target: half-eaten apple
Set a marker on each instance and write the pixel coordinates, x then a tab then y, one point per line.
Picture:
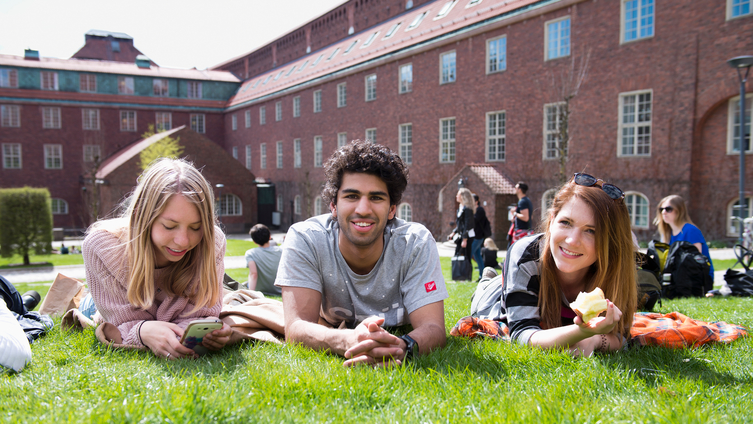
589	305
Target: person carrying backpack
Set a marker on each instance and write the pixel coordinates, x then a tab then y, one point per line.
675	225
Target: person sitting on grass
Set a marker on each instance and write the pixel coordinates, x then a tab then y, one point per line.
348	276
587	243
161	264
263	261
489	253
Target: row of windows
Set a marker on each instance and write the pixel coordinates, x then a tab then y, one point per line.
640	212
53	155
48	80
635	124
10	116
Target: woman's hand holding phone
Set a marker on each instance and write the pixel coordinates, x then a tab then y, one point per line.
217	339
162	338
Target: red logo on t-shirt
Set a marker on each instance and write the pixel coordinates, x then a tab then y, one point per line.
430	286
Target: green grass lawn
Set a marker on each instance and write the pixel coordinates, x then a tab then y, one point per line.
73	378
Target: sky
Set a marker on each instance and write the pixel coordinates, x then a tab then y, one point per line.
174	34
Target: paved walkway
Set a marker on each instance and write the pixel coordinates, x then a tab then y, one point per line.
445	249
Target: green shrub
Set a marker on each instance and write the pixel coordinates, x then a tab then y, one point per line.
25	222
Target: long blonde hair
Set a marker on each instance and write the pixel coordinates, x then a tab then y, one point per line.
678	203
467	199
614	269
157	184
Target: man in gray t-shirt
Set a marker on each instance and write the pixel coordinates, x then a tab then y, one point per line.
348	275
263	261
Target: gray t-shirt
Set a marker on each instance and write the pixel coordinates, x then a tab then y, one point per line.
267	260
406	277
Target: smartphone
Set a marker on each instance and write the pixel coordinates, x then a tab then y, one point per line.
195	332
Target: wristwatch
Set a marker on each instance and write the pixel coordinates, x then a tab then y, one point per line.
410	346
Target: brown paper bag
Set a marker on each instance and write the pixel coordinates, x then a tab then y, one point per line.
65	294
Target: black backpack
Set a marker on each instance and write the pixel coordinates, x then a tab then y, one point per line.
648	279
685	272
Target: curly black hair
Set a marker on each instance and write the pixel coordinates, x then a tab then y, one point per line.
370	158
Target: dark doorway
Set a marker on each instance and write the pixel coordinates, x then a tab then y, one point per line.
265	195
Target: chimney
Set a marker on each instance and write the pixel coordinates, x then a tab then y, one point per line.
30	54
143	62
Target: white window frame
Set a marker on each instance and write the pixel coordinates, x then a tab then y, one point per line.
643	29
90	119
8	78
447	139
48	80
53	156
342	94
234	122
279	154
229	205
496	136
194	90
733	114
10	116
370	84
248	118
128	120
58	206
371	135
235	152
297	153
280	203
317	101
297	205
51	118
198	123
548	26
249	162
446	9
546	201
163	121
551	130
318	206
87	83
406	84
262	115
392	31
448	70
296	106
405	212
732	229
496	56
278	111
637	126
12	158
263	155
92	153
731	9
342	139
126	85
318	151
644	214
160	87
405	141
416	21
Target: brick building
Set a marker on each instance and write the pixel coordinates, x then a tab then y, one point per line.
61	118
480	90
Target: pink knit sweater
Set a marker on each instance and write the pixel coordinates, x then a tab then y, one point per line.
107	277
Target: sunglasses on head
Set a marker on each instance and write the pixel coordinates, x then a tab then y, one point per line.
586	180
667	209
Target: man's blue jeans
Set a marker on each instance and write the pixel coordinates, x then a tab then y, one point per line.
476	253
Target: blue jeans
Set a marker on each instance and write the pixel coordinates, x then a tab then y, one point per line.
87	306
476	253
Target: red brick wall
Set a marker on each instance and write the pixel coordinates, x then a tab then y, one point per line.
683	65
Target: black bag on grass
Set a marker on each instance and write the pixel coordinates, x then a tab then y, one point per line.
649	283
686	272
